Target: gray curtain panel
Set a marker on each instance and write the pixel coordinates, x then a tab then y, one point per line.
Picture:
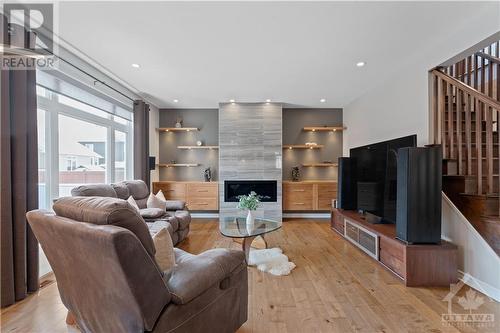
141	141
19	175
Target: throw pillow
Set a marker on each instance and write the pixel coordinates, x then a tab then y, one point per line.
132	203
155	202
165	257
161	196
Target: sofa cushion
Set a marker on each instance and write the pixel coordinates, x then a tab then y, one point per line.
184	218
121	190
151	213
175	205
165	257
94	190
101	210
137	188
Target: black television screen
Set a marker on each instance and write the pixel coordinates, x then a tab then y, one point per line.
376	176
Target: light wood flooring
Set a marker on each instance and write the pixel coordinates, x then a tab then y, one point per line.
335	288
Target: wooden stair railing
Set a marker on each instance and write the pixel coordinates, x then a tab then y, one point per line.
464	112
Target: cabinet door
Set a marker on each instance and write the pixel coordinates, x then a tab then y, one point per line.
326	193
171	191
297	196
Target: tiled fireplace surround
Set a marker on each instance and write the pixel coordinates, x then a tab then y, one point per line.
250	148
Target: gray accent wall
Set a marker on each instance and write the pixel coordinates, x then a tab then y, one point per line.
250	141
294	120
204	119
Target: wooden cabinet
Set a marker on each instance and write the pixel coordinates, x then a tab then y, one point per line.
197	195
309	195
429	265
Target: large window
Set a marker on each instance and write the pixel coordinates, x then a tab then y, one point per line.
78	144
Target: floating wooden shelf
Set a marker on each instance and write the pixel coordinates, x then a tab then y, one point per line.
171	165
324	128
320	165
302	146
177	129
198	147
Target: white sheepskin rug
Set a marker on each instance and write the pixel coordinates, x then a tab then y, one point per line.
272	261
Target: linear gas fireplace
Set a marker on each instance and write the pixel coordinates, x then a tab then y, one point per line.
266	188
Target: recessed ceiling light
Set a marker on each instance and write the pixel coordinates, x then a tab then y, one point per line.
322	100
231	100
268	100
136	65
176	101
360	64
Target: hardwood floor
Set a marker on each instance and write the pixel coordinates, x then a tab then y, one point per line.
335	288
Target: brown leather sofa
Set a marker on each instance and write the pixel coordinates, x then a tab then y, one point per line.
176	219
102	255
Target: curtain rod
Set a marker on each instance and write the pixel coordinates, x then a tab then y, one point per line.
92	76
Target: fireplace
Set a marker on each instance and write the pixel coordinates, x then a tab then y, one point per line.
234	188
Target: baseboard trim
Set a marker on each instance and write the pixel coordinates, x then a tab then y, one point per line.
307	215
479	285
205	215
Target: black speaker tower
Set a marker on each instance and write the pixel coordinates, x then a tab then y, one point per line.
418	204
347	189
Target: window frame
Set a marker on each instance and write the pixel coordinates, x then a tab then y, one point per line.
53	109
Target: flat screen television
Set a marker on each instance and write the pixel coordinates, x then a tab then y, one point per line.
376	176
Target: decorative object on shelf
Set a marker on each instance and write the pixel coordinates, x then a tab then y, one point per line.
249	202
178	123
295	173
207	174
173	162
311	144
325	162
199	143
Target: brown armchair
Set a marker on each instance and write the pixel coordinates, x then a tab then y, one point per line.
103	258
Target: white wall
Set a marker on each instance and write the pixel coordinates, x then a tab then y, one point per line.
154	140
397	106
475	256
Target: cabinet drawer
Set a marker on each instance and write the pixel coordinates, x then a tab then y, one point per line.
297	205
202	190
300	189
393	247
202	204
392	262
327	190
172	191
325	204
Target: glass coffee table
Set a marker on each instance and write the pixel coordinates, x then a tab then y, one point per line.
236	227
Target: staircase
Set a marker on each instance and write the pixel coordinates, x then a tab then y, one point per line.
464	118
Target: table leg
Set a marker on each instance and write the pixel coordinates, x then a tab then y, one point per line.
247	244
265	242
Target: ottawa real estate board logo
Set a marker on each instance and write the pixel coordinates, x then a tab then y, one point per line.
27	36
468	313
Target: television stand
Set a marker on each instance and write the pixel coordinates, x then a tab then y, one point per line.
418	265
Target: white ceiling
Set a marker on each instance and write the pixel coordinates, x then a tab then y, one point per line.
295	53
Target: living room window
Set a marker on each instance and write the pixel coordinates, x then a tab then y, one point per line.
79	143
